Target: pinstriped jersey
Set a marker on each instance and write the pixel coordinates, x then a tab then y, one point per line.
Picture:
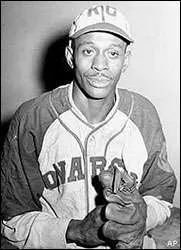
53	155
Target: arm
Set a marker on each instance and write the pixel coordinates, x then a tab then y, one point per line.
150	208
156	177
24	223
87	232
158	187
36	230
158	183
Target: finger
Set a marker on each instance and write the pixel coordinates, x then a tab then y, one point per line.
110	197
122	215
118	197
134	196
106	179
116	231
123	197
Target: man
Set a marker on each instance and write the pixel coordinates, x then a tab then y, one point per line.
65	149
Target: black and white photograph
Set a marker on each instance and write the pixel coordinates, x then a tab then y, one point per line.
90	124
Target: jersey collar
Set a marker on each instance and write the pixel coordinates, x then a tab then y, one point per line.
82	117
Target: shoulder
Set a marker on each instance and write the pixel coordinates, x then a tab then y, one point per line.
28	106
140	101
143	108
145	112
40	105
144	116
36	114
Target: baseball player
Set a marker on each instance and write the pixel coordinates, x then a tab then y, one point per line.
85	165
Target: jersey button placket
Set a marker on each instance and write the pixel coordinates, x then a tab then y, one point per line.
90	151
91	145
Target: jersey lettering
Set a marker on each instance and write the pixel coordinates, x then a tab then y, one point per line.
50	180
98	164
60	171
76	170
53	179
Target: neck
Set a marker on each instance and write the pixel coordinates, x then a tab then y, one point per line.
95	110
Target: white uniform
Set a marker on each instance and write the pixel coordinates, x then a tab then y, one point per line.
52	156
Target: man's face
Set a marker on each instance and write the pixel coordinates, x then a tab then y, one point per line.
98	61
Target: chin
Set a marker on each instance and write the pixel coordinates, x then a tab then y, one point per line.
98	94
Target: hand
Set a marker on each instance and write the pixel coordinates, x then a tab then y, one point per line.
126	214
87	232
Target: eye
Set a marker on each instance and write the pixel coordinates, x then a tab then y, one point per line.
113	53
88	52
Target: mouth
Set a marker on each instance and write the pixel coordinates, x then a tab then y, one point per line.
98	82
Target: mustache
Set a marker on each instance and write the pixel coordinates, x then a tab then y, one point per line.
98	75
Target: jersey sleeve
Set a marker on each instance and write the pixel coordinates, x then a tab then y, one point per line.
158	177
20	193
158	183
24	223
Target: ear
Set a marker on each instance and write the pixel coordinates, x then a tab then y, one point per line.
69	56
126	59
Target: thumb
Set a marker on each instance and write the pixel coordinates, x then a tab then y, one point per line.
106	179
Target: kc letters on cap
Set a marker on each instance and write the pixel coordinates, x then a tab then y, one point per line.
101	18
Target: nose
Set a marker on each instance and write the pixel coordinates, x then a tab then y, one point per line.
99	62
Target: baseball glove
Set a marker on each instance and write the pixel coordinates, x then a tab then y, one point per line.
87	232
126	210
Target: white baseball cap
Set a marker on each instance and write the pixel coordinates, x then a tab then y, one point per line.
101	18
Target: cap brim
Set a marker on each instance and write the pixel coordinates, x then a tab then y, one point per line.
107	27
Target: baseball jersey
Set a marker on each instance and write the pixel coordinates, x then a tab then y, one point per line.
52	156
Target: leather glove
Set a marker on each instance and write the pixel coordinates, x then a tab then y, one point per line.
126	210
87	232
